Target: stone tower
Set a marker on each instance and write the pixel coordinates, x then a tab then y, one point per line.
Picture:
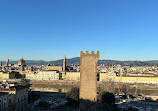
7	63
88	75
64	64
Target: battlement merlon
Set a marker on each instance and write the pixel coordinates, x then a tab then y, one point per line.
89	54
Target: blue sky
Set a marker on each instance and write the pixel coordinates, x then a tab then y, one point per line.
48	29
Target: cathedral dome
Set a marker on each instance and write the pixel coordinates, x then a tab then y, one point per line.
21	62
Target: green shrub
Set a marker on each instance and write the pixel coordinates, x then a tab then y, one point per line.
43	104
106	98
24	82
73	95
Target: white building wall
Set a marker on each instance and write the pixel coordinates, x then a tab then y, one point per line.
43	75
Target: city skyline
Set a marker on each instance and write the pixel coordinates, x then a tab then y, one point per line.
39	30
14	60
78	55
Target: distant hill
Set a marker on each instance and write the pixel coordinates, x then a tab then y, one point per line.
29	62
76	60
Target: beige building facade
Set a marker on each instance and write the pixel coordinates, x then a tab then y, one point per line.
73	76
43	75
17	98
7	75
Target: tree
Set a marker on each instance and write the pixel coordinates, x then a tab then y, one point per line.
107	98
125	89
134	90
24	82
117	91
73	95
43	104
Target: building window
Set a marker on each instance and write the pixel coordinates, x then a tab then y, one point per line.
9	100
5	105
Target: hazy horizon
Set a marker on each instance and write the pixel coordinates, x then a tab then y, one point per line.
71	58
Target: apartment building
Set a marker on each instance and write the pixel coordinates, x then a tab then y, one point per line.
43	75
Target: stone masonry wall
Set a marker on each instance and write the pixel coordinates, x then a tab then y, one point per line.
88	77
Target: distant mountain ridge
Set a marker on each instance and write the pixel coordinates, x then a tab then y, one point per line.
76	60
